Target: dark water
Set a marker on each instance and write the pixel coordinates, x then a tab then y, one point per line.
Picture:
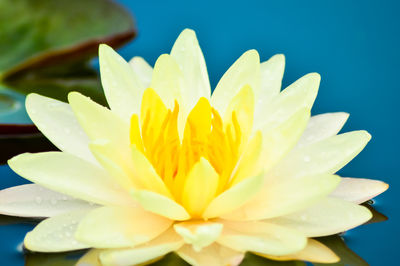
352	44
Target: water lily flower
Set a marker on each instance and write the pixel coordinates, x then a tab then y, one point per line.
170	167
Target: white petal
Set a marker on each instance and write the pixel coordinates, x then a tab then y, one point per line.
280	197
321	127
359	190
300	94
167	242
329	216
314	252
187	53
326	156
261	237
119	227
122	87
69	175
215	255
32	200
245	71
57	122
199	234
142	70
101	123
56	234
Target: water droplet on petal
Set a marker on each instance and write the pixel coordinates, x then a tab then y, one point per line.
307	158
38	200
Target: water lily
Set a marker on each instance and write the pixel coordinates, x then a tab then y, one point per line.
170	167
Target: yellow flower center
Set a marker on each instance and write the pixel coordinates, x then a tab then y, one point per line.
206	135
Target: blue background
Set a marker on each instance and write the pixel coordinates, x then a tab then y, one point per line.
352	44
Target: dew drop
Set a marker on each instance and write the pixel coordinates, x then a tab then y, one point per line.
307	158
303	217
38	200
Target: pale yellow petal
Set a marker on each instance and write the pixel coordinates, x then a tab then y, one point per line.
200	187
118	227
326	156
245	71
32	200
91	258
215	255
279	197
199	234
69	175
249	163
327	217
101	123
145	174
271	76
261	237
315	252
167	242
168	81
299	95
321	127
142	70
119	167
234	197
359	190
187	53
122	87
58	123
161	205
271	81
279	141
56	234
242	108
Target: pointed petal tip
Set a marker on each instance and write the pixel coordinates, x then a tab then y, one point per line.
253	53
314	76
278	58
103	48
188	31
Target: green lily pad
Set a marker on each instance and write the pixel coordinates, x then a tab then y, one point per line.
46	32
45	48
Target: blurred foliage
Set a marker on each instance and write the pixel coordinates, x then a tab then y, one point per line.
47	32
46	47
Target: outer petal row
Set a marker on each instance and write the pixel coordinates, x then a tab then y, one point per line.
71	176
32	200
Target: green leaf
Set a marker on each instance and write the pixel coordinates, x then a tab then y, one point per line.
46	32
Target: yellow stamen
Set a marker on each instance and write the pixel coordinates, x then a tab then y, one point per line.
205	136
